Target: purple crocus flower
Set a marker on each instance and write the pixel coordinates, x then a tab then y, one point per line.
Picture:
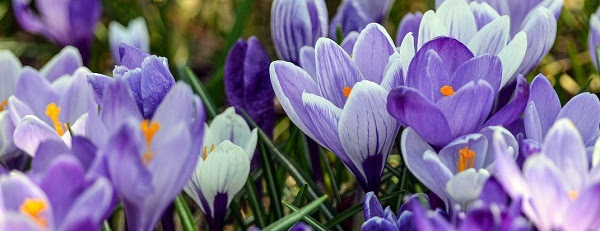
355	15
409	23
297	23
449	93
307	54
66	22
376	218
458	172
483	30
11	67
41	109
135	34
219	175
557	186
346	89
64	200
544	108
148	76
159	153
594	36
247	82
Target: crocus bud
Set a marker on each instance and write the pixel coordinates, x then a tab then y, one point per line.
297	23
247	82
68	22
355	15
594	37
135	35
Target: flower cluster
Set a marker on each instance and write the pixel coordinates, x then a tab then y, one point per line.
483	147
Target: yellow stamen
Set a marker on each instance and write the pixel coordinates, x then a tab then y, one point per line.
212	147
466	159
573	195
3	105
347	91
53	112
447	90
149	129
34	208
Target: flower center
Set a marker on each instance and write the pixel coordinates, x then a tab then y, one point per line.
149	129
33	208
3	105
466	159
347	91
205	153
447	90
573	195
53	112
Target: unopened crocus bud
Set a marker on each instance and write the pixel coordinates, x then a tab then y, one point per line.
135	35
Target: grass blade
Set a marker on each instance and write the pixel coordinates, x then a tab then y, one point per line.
299	200
187	219
255	204
334	185
235	210
272	185
311	221
211	109
294	217
106	226
357	208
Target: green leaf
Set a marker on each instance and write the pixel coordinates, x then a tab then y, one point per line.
294	217
334	185
106	226
255	204
311	221
211	109
357	208
299	200
187	220
272	185
235	209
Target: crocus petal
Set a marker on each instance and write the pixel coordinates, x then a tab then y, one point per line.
564	146
466	186
427	74
452	53
289	82
547	106
118	106
411	108
64	63
512	56
546	184
378	224
369	143
394	75
483	14
18	221
179	99
430	28
492	38
136	35
35	91
349	42
372	51
15	188
409	24
440	175
98	82
372	207
131	57
407	53
583	213
155	83
234	73
17	109
509	139
594	37
307	61
90	207
225	172
350	16
77	98
230	126
11	68
506	170
31	132
335	71
485	67
512	111
458	18
29	20
581	110
540	27
47	152
468	108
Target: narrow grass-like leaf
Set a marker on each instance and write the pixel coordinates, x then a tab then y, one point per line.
300	196
272	185
106	226
334	185
236	211
291	167
255	204
211	109
294	217
185	215
357	208
311	221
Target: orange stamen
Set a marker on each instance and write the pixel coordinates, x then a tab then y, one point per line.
53	112
447	90
205	153
466	159
573	195
34	208
3	105
149	129
347	91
